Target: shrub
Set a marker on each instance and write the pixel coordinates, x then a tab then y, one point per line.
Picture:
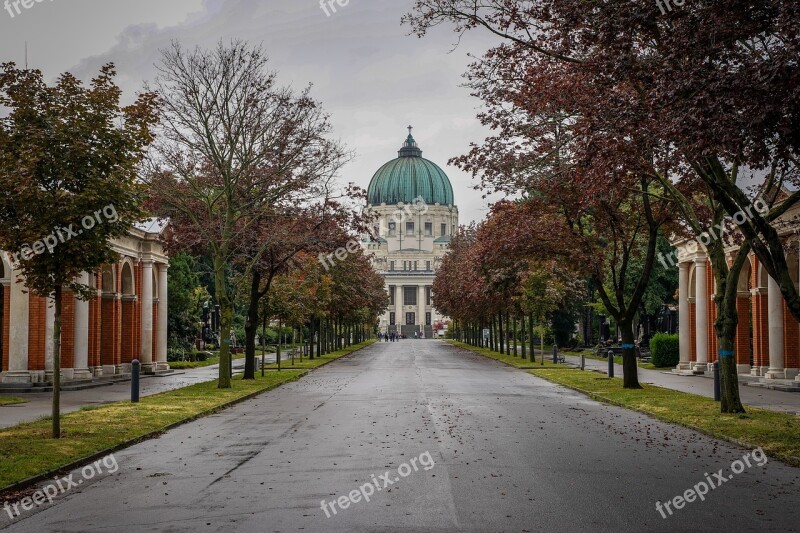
665	350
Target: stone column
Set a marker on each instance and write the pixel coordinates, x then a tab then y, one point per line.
81	335
684	333
18	333
775	325
421	307
146	353
163	307
398	308
701	312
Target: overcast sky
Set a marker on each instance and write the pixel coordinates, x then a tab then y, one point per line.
368	72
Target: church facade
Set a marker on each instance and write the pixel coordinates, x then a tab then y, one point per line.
415	216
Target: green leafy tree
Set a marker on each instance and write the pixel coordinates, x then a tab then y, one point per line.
69	157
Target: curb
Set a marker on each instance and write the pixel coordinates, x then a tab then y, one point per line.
25	483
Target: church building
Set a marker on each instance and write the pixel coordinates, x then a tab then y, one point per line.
415	214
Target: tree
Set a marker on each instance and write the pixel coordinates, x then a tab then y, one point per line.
69	158
712	90
234	148
186	296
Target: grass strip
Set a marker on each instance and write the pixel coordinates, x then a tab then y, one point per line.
27	453
778	434
310	364
617	360
11	400
184	365
516	362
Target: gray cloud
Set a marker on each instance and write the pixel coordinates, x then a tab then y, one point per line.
370	75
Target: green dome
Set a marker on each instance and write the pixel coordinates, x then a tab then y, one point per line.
408	177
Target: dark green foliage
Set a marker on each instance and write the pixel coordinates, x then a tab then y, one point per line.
665	350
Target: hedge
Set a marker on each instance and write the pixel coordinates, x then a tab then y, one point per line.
665	350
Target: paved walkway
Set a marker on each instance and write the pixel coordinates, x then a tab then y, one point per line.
40	404
493	449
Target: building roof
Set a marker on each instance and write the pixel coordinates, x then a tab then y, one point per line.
408	178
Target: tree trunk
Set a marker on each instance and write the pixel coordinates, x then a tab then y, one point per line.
531	338
630	369
514	335
508	334
225	321
57	364
251	327
522	336
500	332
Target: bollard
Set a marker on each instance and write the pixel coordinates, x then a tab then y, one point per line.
611	363
583	361
135	368
555	354
717	393
262	363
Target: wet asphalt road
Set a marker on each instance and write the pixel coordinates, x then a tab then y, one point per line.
511	453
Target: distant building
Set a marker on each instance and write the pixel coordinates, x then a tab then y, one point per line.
416	216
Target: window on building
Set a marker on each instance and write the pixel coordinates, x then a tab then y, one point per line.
454	230
409	296
428	319
391	319
411	319
391	266
415	265
392	229
429	229
444	229
427	296
391	294
428	266
409	228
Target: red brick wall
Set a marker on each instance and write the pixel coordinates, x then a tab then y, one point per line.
108	335
6	324
94	328
760	331
693	330
128	331
68	330
743	331
155	332
37	313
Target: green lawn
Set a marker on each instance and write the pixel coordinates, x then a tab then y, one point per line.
11	400
27	450
517	362
617	359
777	433
183	365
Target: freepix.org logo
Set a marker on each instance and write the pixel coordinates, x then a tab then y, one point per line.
15	7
